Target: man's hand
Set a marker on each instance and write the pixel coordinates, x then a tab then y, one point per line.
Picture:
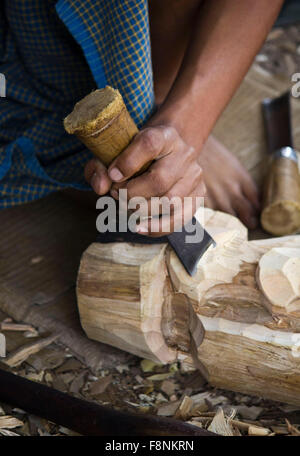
174	172
230	187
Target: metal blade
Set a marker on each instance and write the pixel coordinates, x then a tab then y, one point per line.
189	253
277	119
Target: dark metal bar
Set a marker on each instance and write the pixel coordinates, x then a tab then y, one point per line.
277	120
86	418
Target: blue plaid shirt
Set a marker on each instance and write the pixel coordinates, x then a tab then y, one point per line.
52	54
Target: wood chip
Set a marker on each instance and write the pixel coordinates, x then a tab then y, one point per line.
280	429
69	365
261	58
292	429
7	326
59	384
37	424
18	356
67	431
159	377
184	409
9	422
48	358
290	64
100	385
2	346
148	366
35	377
78	382
275	33
159	398
139	379
240	425
29	334
221	425
68	377
122	368
8	433
145	398
248	413
168	409
288	46
202	401
195	423
168	387
48	377
258	431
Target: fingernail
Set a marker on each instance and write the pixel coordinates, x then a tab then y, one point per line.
114	194
115	174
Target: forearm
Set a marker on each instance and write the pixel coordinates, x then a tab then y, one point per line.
226	37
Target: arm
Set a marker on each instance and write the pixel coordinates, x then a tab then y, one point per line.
226	37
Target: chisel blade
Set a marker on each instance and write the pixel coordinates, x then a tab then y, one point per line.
189	253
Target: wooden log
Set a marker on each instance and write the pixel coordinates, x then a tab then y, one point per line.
138	298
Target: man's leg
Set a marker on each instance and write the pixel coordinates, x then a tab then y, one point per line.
171	22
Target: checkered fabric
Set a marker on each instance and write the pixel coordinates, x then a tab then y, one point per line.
52	54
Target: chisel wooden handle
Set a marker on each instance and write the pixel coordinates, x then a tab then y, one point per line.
281	202
101	121
281	212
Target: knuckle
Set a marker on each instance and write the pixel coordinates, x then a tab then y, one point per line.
127	165
158	181
200	190
151	139
171	195
191	152
170	132
130	191
198	172
236	189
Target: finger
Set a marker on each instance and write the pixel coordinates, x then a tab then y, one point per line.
149	144
168	223
245	212
170	200
90	169
96	174
164	173
208	202
222	202
251	192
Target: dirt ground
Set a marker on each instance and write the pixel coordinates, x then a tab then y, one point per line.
141	385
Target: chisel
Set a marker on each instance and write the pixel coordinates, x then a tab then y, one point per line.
281	201
102	122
